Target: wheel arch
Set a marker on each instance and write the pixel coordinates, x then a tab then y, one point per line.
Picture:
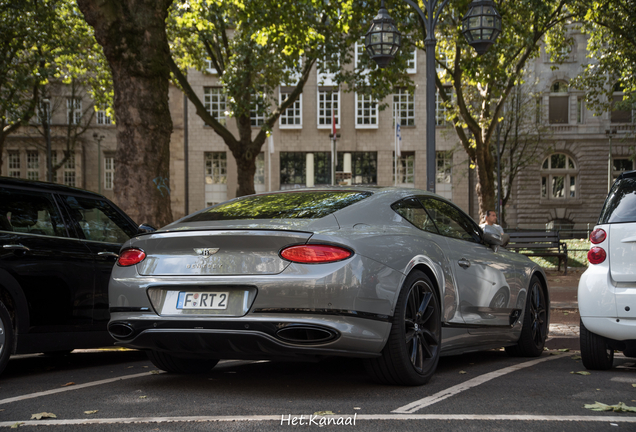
428	271
544	285
13	298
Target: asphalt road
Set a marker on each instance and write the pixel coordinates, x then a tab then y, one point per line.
113	391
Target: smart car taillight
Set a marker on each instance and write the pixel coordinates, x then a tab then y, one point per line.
598	236
130	257
315	254
596	255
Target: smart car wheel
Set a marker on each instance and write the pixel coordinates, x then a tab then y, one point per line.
6	336
411	354
535	323
180	365
595	352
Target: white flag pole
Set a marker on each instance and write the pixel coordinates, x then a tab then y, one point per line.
269	162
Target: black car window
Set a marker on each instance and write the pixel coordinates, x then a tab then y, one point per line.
451	221
281	205
620	205
98	220
30	212
412	210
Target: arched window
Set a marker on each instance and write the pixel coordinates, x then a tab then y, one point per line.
559	103
558	177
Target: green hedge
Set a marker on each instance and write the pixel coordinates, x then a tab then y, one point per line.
577	255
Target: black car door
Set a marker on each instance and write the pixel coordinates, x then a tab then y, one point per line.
53	269
102	228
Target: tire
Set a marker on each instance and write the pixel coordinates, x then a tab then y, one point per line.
6	336
180	365
595	351
535	323
411	353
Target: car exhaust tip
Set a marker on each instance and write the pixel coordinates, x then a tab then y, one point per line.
120	330
304	334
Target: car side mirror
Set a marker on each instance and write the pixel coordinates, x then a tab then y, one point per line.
493	240
145	229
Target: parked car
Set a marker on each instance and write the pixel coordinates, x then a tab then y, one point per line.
607	289
395	276
58	245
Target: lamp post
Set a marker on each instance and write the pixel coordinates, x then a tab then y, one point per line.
610	133
99	139
481	26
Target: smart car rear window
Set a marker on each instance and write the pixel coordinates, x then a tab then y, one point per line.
620	205
282	205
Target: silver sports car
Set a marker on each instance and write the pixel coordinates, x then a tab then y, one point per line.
397	277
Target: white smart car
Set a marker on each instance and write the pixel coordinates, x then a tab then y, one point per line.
607	289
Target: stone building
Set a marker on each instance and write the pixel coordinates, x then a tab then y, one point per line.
565	188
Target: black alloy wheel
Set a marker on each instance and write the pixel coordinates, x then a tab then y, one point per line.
411	354
535	323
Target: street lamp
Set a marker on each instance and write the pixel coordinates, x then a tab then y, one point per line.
481	26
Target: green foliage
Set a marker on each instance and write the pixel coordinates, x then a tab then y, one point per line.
612	51
577	255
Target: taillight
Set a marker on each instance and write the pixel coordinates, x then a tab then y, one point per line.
596	255
315	254
598	236
130	257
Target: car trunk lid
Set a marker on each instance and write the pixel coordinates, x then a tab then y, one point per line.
216	252
622	251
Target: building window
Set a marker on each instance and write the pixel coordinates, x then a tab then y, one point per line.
580	110
558	177
259	175
69	171
328	107
327	69
292	117
406	169
73	111
559	103
443	174
103	118
364	167
44	112
293	169
33	165
411	63
257	111
366	112
619	114
620	165
14	164
403	108
215	102
109	172
216	168
440	108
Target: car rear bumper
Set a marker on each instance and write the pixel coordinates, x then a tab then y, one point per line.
279	336
611	328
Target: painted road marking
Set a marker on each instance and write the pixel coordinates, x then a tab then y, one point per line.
452	391
108	381
363	417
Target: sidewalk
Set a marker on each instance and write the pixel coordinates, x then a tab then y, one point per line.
564	312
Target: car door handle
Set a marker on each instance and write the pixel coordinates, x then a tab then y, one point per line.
464	263
108	254
16	247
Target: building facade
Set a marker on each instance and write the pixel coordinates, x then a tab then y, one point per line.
564	188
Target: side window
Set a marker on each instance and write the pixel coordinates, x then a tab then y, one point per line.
411	210
451	221
30	213
98	220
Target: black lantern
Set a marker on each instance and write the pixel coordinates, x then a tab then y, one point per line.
382	41
481	25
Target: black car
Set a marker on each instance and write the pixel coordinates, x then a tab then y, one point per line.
58	245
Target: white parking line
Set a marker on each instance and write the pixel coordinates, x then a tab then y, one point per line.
110	380
452	391
280	419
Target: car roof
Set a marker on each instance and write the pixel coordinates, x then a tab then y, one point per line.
627	174
46	186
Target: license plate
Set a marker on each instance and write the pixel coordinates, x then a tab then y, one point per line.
202	300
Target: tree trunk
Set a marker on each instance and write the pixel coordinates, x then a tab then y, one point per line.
485	178
133	36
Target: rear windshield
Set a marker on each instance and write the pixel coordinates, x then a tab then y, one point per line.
620	205
283	205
